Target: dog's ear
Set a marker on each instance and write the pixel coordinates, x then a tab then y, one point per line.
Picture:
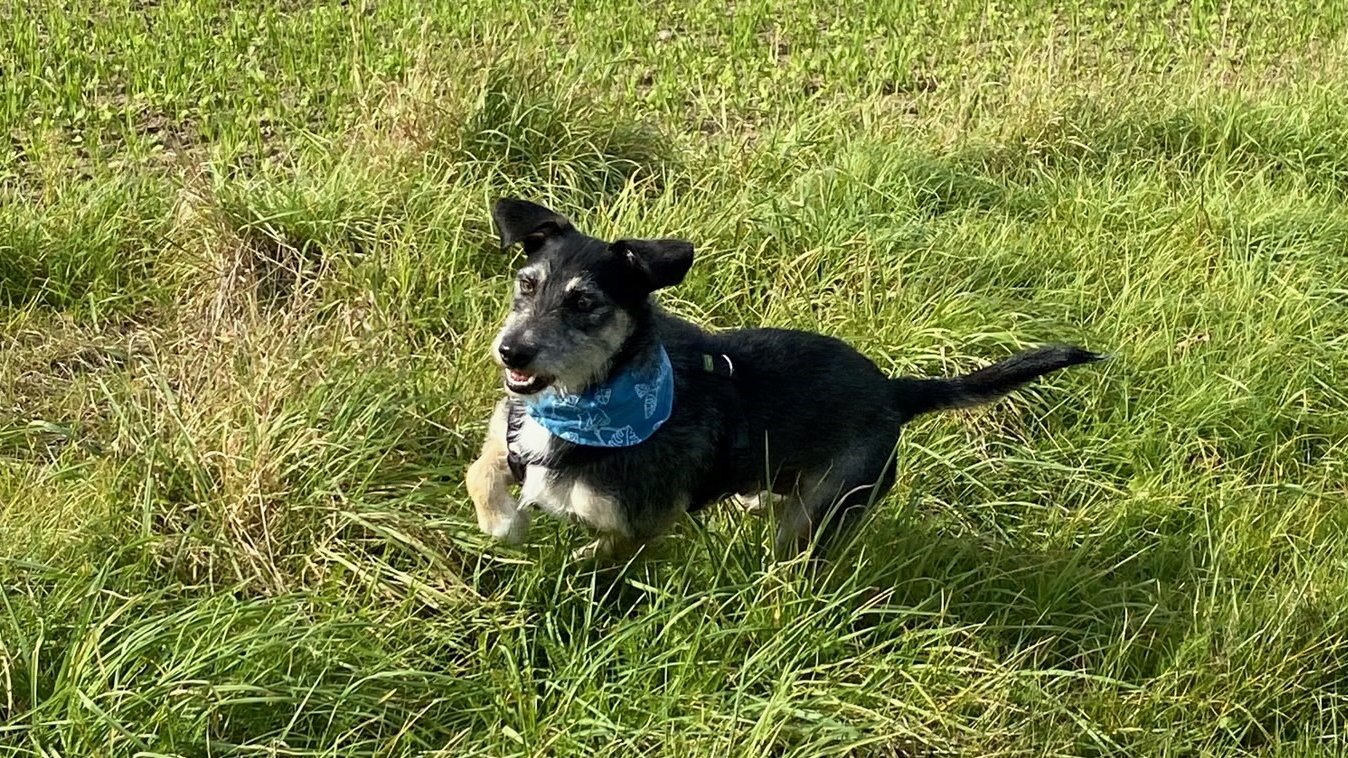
659	263
527	223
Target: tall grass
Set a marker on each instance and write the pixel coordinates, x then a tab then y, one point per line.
247	282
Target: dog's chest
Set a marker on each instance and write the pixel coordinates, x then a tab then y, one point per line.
531	441
558	493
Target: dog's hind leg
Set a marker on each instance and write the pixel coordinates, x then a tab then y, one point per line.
831	499
489	480
794	526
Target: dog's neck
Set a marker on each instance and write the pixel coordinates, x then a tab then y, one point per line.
634	354
640	349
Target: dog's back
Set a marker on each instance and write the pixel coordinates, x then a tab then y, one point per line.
822	420
811	395
806	396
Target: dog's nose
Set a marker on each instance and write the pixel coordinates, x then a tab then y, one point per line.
515	355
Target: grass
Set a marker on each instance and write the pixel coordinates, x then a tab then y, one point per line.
247	281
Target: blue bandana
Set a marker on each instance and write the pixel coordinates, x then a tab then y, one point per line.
623	411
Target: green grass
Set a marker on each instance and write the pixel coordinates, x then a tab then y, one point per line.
247	282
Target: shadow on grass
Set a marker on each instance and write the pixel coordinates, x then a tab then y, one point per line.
1101	621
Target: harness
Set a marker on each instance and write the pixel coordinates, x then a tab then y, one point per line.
732	456
515	420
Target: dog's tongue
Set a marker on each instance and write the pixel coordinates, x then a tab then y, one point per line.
519	377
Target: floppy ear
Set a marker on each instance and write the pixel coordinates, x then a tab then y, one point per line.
526	222
661	263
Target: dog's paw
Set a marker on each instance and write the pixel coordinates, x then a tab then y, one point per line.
510	527
607	548
589	552
756	505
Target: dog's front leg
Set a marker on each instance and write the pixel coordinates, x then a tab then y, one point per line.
608	547
618	539
498	514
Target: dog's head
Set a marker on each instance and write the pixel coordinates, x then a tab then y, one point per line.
578	301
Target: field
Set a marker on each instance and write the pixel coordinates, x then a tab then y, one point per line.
248	281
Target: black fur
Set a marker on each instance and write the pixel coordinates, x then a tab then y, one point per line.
530	224
820	419
918	396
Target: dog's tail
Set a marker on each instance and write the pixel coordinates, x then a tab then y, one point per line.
918	396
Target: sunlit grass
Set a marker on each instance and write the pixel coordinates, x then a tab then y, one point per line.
247	281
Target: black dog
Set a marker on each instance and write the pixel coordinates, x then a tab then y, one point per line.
623	417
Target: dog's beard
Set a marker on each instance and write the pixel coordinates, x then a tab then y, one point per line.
572	361
579	374
587	363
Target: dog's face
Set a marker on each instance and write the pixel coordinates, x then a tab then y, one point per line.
577	299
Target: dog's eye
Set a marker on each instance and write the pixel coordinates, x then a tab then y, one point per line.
527	286
583	303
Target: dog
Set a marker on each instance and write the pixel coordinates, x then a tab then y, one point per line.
623	417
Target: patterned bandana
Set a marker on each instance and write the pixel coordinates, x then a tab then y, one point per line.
621	412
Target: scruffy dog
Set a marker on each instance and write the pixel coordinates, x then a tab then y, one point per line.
623	417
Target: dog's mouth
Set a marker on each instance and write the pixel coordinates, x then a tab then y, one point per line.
525	383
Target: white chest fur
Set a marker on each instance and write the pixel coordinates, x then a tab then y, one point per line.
532	441
565	497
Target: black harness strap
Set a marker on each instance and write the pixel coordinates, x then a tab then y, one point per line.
514	420
722	366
